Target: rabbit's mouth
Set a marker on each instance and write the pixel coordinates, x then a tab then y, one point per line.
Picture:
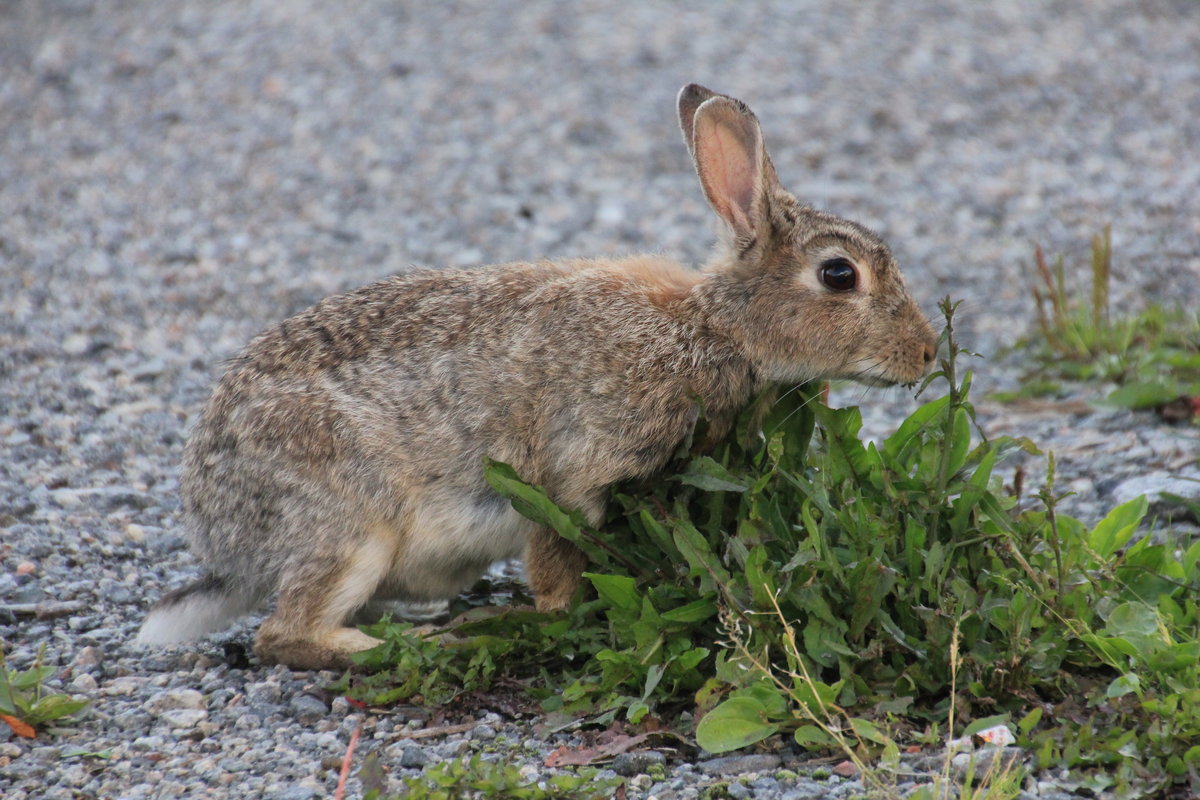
875	381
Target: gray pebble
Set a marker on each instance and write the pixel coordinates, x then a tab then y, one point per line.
739	791
175	699
307	708
264	693
736	765
483	733
629	764
414	758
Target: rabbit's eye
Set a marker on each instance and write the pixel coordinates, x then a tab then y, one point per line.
839	275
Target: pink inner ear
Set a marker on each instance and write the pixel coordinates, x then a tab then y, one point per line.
730	171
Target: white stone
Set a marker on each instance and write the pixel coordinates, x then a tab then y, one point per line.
175	699
184	717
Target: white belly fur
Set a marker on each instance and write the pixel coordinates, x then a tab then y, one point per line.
451	540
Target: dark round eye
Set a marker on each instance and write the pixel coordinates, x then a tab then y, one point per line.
839	275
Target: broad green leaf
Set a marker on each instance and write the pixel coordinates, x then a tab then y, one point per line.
688	661
705	473
897	705
762	585
1138	624
870	581
1112	532
700	557
766	694
977	484
814	696
1145	395
29	678
900	445
1129	683
1175	657
1110	648
868	730
533	503
737	722
810	737
692	613
659	535
1191	562
1030	720
960	441
618	591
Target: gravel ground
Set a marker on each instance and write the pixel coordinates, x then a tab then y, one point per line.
175	176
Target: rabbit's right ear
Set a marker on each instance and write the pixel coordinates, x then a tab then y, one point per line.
731	160
690	98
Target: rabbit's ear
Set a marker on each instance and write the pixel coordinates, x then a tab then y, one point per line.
690	98
732	162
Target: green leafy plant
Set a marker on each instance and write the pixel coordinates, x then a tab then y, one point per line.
795	580
1153	356
474	777
25	705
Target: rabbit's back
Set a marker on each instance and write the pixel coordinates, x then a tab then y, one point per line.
383	402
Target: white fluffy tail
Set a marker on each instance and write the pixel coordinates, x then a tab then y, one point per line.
199	608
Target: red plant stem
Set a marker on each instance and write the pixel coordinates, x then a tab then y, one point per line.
341	787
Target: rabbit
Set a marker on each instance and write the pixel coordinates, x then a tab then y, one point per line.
339	459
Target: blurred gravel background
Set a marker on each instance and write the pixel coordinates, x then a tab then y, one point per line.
176	176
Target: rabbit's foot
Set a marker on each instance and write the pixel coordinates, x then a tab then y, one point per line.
329	649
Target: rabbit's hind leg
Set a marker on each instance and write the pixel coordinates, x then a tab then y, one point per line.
554	566
308	629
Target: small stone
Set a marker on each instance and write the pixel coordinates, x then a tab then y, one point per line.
307	708
735	765
148	743
265	693
738	791
641	783
453	749
87	658
298	792
83	683
183	717
483	733
26	568
630	764
124	686
414	758
247	722
1154	483
806	791
174	700
846	769
76	344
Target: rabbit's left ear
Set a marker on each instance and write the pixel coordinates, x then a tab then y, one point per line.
731	160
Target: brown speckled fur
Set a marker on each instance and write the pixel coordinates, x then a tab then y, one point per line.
339	459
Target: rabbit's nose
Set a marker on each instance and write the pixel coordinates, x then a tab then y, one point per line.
930	353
